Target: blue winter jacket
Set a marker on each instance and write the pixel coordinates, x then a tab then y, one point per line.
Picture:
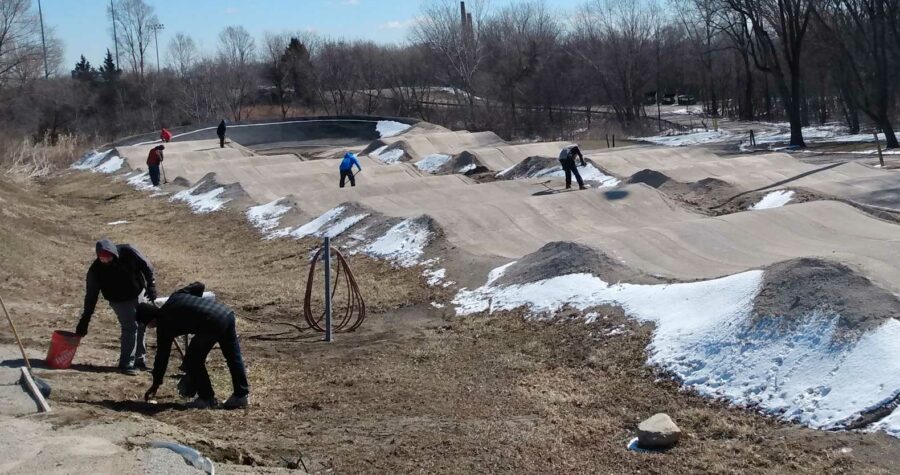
348	162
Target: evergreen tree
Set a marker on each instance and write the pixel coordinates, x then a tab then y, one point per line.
84	71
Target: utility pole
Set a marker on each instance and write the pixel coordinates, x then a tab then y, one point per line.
112	9
156	27
658	112
43	40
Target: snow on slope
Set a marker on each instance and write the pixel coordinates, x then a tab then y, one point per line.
775	199
705	335
390	128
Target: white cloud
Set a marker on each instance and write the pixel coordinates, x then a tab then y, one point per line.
350	2
398	24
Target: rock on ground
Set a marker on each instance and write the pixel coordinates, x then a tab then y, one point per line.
658	432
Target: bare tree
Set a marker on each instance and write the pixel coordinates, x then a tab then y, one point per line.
456	41
517	40
183	54
20	41
133	33
617	38
862	32
779	28
237	54
274	68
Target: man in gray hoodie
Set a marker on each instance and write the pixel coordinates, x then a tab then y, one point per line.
124	276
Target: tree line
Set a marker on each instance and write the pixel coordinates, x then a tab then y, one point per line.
521	69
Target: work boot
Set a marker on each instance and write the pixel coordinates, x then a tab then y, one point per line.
582	187
236	402
201	403
186	387
128	370
141	365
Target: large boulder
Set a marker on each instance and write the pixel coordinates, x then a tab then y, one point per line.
658	432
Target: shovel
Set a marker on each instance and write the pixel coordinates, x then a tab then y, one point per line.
33	384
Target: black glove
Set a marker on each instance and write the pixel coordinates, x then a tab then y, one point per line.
150	294
82	328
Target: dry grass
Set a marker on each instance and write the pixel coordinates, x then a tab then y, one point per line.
414	390
25	158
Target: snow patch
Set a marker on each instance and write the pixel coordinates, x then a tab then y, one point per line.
389	156
113	223
267	216
390	128
587	172
141	181
775	199
404	243
694	137
90	160
112	165
204	202
467	168
431	163
705	336
434	277
328	224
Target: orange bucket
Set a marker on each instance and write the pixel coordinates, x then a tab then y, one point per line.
62	349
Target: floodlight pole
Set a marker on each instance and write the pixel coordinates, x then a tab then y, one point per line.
112	9
156	27
43	40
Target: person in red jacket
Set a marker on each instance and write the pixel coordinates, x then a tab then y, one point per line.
154	160
165	135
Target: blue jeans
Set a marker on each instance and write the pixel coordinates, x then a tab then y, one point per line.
198	350
131	342
154	174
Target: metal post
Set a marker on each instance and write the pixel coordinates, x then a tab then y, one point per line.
878	144
112	9
156	27
43	41
327	289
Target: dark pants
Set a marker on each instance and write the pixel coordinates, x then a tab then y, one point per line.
221	141
195	361
154	174
571	168
348	174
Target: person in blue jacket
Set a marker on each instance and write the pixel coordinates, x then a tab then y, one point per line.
347	168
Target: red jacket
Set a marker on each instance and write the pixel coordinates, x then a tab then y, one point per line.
155	157
165	135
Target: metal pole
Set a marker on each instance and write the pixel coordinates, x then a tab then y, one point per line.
327	289
112	9
156	40
43	41
878	144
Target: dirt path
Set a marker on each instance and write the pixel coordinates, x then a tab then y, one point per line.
413	390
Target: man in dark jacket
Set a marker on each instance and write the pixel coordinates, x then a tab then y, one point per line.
121	273
220	131
567	160
187	312
154	160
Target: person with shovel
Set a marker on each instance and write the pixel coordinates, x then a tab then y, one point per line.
567	160
124	276
154	161
187	312
347	165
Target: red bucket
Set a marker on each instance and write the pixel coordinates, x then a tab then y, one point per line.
62	349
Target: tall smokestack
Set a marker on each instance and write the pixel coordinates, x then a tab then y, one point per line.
462	14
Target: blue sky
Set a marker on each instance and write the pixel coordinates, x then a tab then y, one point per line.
84	28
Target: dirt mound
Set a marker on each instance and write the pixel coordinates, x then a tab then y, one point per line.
562	258
702	195
208	194
531	166
649	177
439	164
795	289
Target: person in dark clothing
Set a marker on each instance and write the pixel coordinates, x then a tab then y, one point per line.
347	165
567	160
121	273
154	160
220	131
211	322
